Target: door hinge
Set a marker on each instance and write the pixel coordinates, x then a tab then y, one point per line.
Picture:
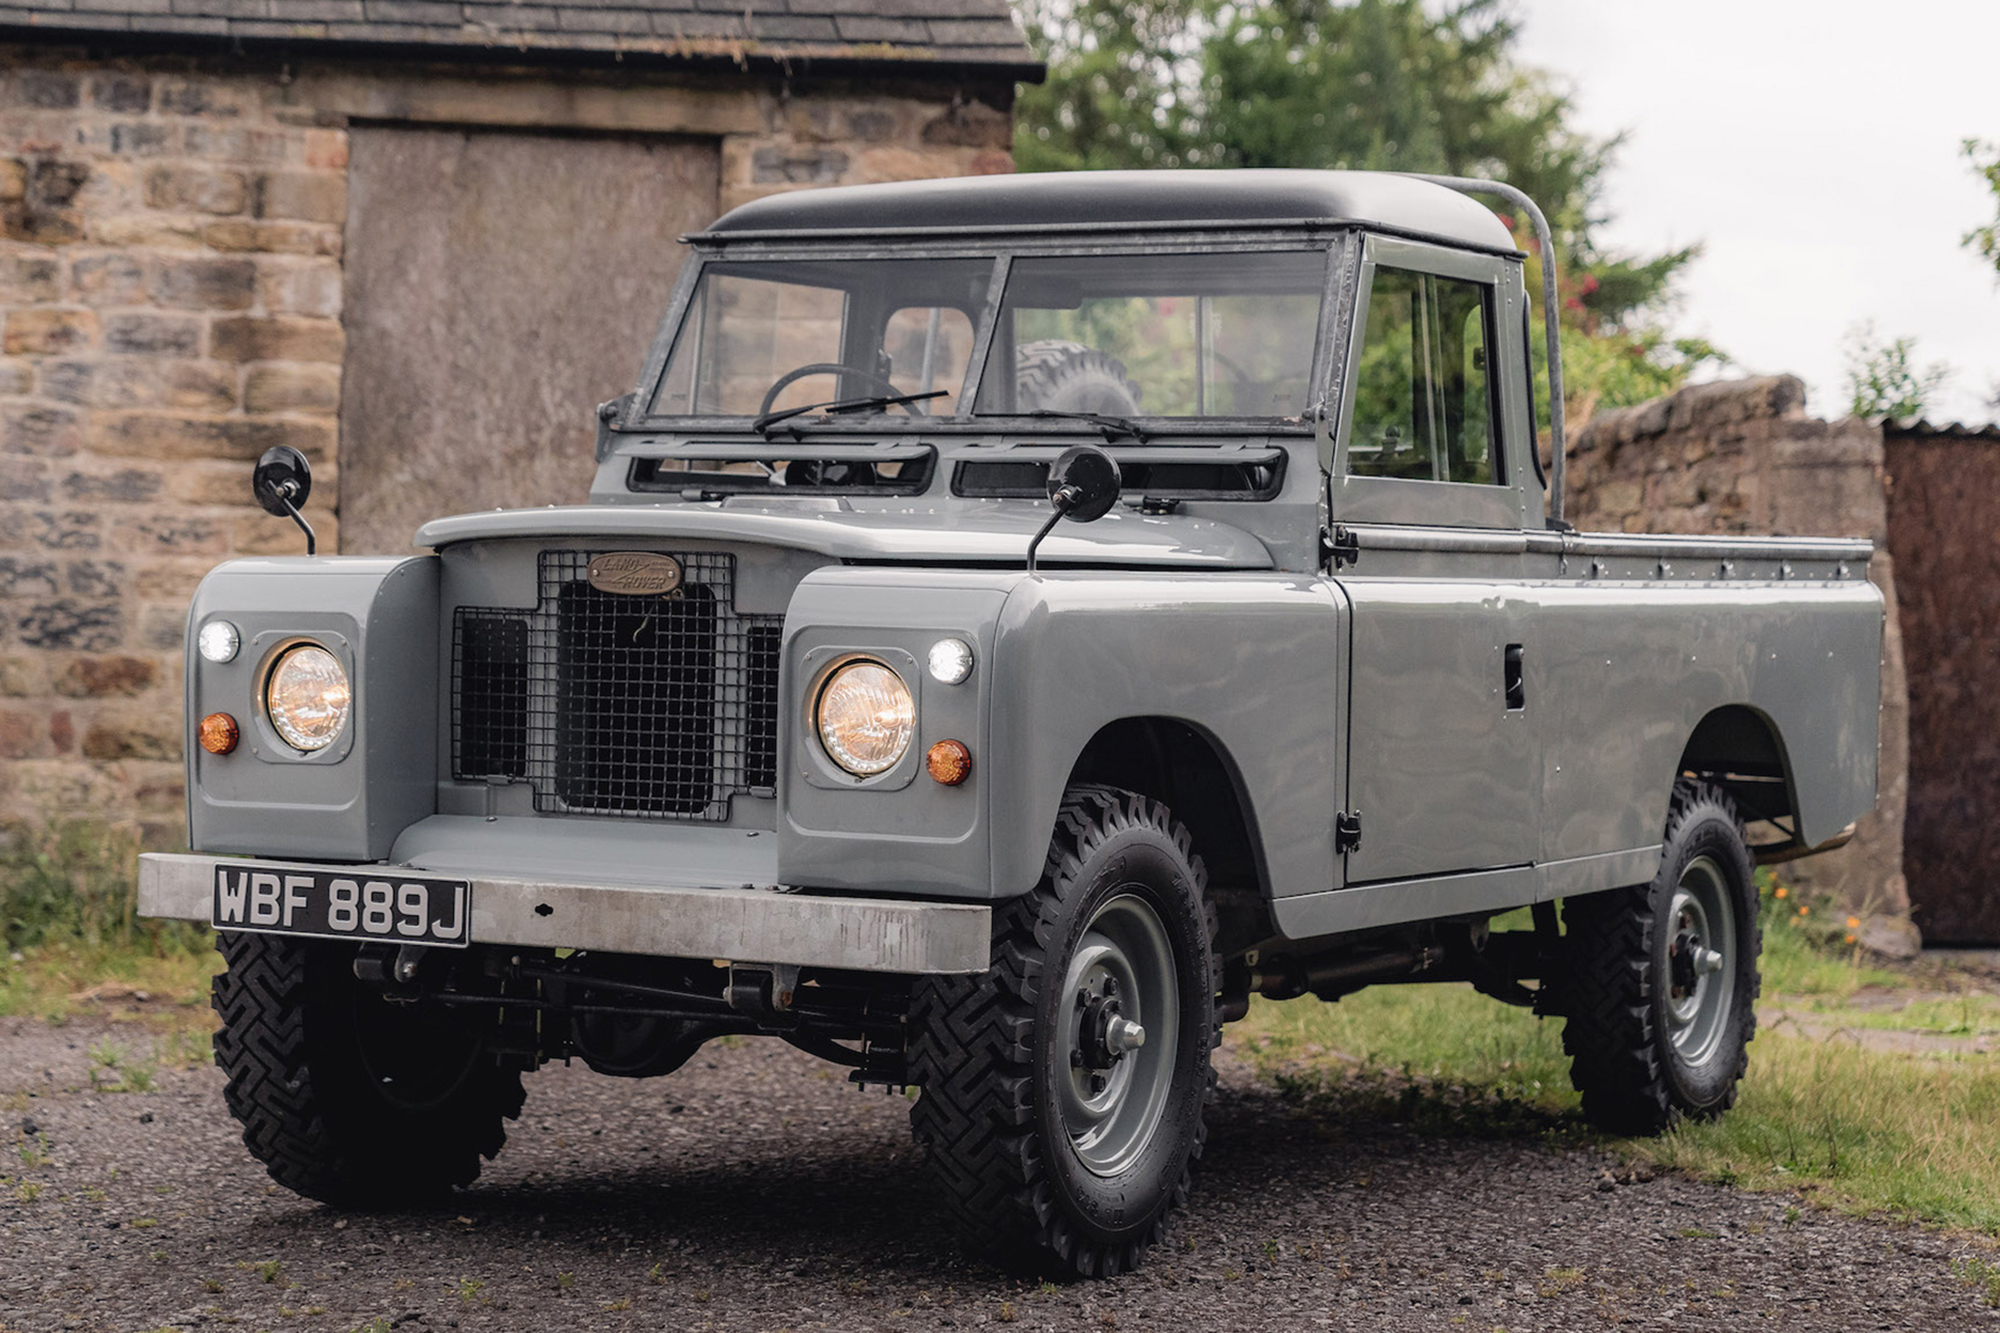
1346	832
1338	547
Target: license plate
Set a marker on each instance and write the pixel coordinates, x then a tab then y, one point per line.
342	905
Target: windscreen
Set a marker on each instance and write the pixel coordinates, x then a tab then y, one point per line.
771	335
1151	335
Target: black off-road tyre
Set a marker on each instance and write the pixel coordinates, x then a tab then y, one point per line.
987	1052
1626	964
1061	376
306	1049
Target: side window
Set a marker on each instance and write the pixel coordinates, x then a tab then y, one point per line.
1423	399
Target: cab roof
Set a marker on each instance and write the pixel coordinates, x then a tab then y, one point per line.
1122	200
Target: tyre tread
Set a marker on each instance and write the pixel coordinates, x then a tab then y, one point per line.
265	1048
1609	1030
971	1051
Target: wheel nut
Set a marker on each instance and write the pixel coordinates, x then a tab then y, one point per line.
1097	1082
1122	1035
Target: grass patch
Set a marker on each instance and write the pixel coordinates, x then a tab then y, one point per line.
1852	1126
165	988
73	940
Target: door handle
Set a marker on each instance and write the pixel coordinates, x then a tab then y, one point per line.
1517	685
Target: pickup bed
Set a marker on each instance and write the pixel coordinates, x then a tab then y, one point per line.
1014	623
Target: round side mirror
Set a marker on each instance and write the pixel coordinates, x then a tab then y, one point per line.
1084	483
282	481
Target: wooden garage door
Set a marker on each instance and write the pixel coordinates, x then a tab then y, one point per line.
499	286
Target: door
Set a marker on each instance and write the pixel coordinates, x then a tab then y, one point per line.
1439	743
499	285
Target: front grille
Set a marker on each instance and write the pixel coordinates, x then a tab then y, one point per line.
648	707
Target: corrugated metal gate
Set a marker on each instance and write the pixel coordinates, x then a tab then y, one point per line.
1944	532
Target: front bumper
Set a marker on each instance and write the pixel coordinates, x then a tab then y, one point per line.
743	925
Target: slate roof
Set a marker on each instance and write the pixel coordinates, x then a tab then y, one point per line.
963	33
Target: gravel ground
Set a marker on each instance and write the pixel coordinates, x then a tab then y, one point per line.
756	1190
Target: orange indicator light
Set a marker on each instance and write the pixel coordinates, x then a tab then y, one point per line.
219	733
949	762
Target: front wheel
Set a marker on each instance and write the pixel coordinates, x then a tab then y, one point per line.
1662	981
344	1096
1063	1090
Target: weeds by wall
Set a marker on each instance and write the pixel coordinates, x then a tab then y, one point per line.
75	881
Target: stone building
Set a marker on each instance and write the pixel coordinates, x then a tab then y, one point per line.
417	240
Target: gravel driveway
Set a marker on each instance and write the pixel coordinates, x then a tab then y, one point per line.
756	1190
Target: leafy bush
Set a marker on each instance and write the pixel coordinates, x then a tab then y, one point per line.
75	881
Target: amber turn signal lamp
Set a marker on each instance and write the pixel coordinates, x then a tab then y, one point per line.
219	733
949	762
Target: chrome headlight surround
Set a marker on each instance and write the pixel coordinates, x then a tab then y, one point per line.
306	696
865	716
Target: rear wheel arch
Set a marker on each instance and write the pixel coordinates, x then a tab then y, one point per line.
1740	750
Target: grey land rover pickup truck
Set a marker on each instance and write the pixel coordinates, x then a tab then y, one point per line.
1015	622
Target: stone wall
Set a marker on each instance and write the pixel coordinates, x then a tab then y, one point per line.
170	306
1741	457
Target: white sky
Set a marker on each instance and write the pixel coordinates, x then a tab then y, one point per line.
1812	146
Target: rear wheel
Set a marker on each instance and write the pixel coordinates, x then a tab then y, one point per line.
1662	977
1063	1090
345	1097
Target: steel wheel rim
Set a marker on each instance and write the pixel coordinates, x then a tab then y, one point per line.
1110	1123
1701	961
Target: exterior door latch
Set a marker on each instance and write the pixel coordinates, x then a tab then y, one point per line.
1346	832
1338	547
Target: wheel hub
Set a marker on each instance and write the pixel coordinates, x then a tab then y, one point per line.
1700	986
1116	1035
1105	1034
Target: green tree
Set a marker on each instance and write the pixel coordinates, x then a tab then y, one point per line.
1985	158
1883	378
1396	85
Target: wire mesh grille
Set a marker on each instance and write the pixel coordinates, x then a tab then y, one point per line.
607	704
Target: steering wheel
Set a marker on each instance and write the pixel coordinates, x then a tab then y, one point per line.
791	377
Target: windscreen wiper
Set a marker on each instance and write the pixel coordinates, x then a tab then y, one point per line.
762	425
1113	427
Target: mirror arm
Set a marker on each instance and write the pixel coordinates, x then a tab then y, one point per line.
312	541
1065	499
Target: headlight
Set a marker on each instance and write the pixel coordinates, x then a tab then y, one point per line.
865	717
307	697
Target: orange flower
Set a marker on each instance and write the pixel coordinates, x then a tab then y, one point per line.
1780	891
1850	939
1854	923
1803	910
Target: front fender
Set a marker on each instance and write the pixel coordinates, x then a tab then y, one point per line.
349	801
1255	660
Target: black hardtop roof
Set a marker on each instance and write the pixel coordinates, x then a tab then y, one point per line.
1113	199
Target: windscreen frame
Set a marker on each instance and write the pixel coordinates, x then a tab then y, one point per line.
1334	243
